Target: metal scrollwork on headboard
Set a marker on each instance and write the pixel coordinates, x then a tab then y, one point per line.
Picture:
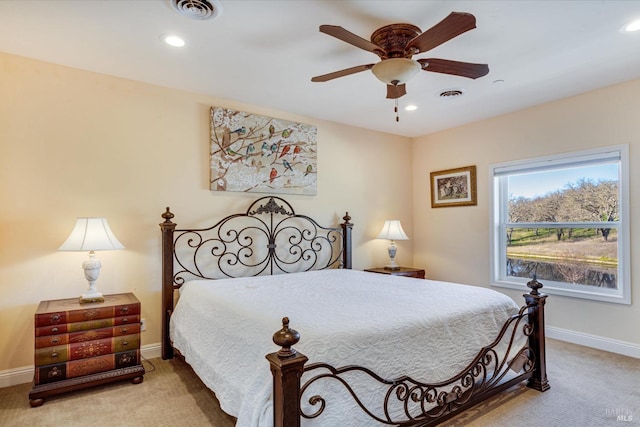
270	207
270	238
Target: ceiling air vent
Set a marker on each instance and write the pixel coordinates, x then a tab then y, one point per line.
198	9
451	93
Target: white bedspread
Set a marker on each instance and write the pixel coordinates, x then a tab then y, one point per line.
393	325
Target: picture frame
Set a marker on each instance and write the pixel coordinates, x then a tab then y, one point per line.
252	153
454	187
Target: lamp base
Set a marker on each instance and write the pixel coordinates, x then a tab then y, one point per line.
91	296
91	269
84	300
392	257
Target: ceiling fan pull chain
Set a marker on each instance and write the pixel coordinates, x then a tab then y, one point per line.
396	110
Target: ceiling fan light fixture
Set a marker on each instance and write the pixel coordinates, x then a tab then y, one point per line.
396	71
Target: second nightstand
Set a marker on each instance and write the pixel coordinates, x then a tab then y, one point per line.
418	273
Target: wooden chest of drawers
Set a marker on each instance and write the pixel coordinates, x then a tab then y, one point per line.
83	345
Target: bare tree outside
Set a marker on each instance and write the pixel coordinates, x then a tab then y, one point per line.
577	254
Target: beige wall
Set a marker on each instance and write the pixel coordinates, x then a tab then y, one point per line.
74	143
453	243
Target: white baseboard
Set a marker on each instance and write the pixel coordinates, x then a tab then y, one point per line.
594	341
16	376
25	374
151	351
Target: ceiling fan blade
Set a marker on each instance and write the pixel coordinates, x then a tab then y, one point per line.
342	73
451	26
348	37
396	91
456	68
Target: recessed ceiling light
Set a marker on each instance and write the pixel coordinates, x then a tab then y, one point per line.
174	41
632	26
411	107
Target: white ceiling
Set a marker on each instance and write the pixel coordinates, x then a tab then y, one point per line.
265	53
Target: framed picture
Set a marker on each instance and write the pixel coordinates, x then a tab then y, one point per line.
454	187
254	153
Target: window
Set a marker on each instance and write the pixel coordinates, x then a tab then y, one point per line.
563	219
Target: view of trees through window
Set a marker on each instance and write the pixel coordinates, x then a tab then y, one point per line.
567	231
563	219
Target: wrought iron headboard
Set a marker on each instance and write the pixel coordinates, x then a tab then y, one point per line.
269	238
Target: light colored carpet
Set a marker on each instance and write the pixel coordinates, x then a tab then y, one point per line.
588	388
170	395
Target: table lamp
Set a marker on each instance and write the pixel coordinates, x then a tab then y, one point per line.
91	234
392	230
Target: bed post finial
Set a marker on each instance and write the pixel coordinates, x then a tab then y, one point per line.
287	366
168	216
534	285
346	218
286	338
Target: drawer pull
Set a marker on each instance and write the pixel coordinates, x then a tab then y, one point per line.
54	329
124	310
124	330
55	372
125	343
55	340
125	320
54	354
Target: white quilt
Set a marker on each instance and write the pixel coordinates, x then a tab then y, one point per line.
392	325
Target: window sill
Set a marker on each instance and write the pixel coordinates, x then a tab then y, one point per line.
554	288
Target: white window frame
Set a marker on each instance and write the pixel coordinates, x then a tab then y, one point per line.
499	216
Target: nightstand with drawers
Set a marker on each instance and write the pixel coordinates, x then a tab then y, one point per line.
418	273
84	345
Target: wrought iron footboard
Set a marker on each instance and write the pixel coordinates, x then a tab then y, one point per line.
405	401
423	402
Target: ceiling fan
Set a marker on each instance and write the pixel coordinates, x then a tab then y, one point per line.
395	44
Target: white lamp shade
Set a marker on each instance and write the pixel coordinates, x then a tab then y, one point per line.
392	230
91	234
396	70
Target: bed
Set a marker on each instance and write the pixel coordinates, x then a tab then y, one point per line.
384	350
